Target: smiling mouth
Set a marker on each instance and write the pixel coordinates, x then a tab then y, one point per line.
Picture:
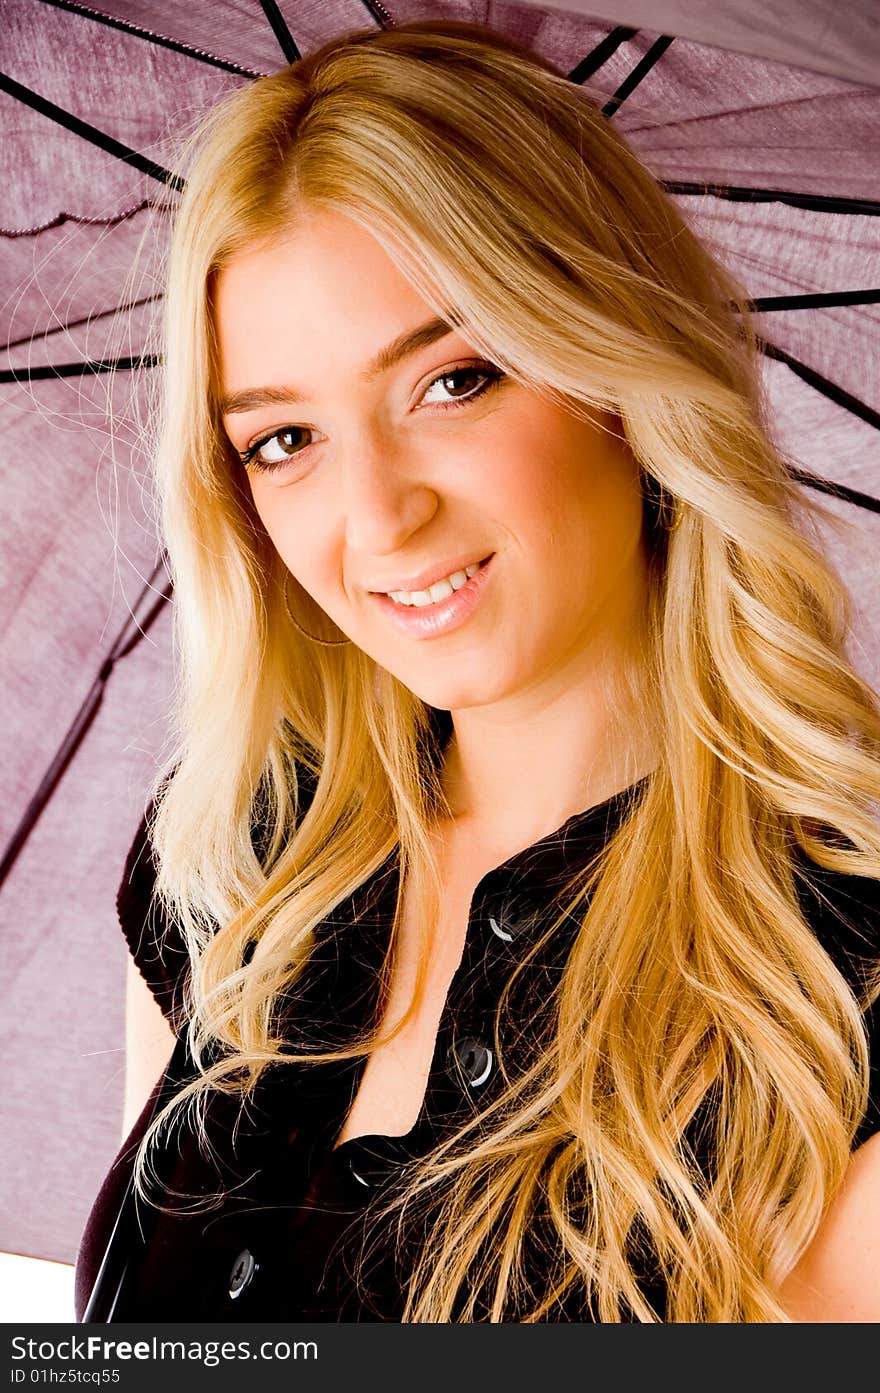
468	572
443	615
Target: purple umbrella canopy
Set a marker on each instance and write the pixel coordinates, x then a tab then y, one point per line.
762	121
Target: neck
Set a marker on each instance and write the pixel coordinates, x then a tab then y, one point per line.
514	775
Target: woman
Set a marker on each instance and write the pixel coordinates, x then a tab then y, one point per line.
489	582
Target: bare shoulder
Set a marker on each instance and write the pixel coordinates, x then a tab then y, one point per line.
838	1277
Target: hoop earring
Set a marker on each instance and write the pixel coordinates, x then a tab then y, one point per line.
328	642
666	512
670	511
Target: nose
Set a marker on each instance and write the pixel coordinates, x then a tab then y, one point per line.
384	496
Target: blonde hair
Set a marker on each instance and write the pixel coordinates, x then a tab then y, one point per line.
513	204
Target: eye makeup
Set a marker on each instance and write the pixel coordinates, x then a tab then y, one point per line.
254	459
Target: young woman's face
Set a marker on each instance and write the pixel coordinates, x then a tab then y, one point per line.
376	473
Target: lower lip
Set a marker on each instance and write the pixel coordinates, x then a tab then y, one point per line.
428	621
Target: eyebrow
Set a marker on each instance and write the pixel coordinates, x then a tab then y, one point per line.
402	347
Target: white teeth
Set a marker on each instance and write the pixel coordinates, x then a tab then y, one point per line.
438	591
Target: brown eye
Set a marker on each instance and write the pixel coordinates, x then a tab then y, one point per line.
490	377
275	451
258	458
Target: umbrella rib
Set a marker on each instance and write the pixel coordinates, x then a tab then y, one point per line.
638	74
763	305
817	300
160	40
280	30
82	369
809	375
835	490
84	319
82	721
594	60
88	132
823	384
815	203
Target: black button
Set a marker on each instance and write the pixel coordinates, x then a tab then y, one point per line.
508	917
473	1059
356	1170
243	1269
500	929
371	1163
503	929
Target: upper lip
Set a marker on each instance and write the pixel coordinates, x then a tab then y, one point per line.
423	580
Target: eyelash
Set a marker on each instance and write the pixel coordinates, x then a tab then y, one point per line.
494	375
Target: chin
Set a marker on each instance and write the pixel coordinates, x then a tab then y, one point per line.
450	694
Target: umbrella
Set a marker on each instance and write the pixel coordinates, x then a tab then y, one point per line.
762	125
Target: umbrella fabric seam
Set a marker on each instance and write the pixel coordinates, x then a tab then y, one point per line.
137	31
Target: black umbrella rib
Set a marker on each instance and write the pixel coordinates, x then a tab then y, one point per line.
77	323
814	301
823	384
83	720
88	132
841	491
593	61
160	40
83	369
638	74
814	202
280	30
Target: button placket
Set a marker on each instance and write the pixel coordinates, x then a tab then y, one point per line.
499	916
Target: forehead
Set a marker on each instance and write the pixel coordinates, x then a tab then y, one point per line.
323	297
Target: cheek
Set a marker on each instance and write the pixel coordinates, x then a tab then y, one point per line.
521	469
569	487
535	480
294	533
598	475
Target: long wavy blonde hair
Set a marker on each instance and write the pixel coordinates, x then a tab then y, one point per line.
509	200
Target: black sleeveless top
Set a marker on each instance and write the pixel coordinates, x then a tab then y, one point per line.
295	1238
